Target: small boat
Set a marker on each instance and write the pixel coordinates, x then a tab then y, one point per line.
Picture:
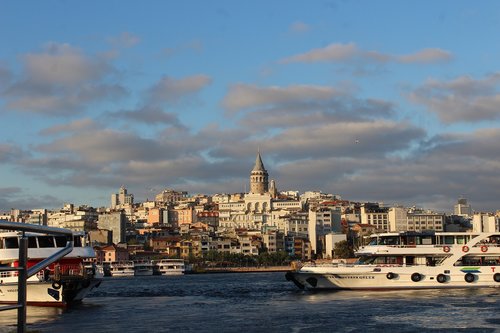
143	268
121	268
171	267
411	260
66	281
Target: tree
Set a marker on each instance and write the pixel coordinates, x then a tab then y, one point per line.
342	250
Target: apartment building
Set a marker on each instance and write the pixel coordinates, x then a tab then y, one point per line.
424	220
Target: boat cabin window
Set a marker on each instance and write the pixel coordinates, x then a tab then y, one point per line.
373	241
77	241
45	241
427	240
60	241
460	240
392	240
32	243
449	240
11	243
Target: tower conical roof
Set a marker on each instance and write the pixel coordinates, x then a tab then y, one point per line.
259	166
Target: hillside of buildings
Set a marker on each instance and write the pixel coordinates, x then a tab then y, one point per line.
262	227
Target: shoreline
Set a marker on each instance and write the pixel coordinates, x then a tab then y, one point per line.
267	269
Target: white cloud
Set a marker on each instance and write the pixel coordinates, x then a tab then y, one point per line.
461	99
243	96
170	90
351	52
59	81
62	64
330	53
426	56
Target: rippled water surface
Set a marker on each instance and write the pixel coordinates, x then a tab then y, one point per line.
262	302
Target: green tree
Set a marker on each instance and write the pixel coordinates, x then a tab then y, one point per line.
342	250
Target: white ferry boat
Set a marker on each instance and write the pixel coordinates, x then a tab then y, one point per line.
410	260
121	268
171	267
66	281
143	268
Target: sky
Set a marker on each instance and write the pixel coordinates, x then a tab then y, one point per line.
376	101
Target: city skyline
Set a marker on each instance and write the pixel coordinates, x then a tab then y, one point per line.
374	101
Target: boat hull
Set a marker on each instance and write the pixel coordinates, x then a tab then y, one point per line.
144	272
171	272
48	293
391	279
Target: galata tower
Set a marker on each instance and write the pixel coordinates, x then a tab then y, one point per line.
259	183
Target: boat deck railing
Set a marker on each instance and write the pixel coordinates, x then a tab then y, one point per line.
23	272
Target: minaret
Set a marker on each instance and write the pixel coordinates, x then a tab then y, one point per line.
259	183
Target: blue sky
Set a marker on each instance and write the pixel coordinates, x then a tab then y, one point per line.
388	101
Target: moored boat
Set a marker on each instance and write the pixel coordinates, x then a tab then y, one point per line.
122	268
143	268
171	267
66	281
410	260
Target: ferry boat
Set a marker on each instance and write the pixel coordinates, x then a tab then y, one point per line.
66	281
143	268
121	268
411	260
171	267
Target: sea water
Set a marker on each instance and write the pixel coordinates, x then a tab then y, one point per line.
261	302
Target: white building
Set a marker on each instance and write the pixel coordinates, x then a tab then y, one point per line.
462	208
121	199
422	220
485	222
330	241
398	218
375	215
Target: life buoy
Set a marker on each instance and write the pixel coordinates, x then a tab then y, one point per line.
56	285
484	248
446	249
469	277
465	248
441	278
415	277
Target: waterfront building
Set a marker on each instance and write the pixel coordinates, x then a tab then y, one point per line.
182	214
111	253
297	224
462	208
115	222
319	225
222	244
398	218
155	216
274	241
485	222
330	241
121	199
101	237
169	245
425	220
169	196
83	218
208	217
374	214
301	248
